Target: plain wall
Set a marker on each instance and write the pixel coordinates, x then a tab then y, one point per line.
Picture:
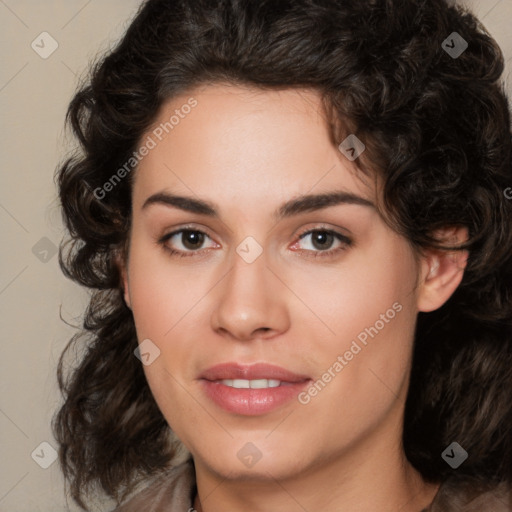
34	94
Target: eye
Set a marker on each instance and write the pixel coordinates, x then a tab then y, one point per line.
322	241
188	242
184	242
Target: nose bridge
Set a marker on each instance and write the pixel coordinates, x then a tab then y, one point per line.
250	297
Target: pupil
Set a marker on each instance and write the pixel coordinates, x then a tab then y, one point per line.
322	237
191	239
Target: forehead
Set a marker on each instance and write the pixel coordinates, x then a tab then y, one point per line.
240	143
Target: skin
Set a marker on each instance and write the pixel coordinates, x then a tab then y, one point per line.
248	151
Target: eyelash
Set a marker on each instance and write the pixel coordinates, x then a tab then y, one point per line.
346	242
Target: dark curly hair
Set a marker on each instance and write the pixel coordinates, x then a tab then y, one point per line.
437	132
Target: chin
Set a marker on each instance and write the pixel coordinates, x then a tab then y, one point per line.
254	457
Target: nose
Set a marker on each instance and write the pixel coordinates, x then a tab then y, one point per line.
251	301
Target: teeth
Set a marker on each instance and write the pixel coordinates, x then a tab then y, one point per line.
253	384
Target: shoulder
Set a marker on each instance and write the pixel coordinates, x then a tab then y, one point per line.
473	496
170	491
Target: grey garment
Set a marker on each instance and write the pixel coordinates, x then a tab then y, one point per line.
472	497
175	490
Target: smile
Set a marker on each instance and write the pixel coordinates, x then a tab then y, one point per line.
252	384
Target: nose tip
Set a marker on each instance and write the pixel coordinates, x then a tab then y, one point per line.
250	303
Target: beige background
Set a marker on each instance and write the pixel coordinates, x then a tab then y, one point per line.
34	93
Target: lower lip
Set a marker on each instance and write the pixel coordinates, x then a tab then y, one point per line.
251	402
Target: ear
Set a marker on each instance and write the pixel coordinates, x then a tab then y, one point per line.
122	265
442	271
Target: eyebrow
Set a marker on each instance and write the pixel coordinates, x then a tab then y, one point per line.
295	206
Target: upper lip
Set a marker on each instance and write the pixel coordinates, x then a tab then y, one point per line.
251	372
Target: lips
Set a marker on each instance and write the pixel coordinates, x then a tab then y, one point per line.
258	371
251	390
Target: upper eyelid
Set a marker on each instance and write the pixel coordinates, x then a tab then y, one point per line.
335	231
186	227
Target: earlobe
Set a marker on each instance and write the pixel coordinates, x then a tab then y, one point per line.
442	271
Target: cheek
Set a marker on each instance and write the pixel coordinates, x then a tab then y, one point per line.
160	293
168	301
349	299
370	310
162	298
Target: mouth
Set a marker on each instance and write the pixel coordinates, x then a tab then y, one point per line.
257	374
251	390
252	384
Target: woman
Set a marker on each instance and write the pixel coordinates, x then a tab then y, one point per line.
294	221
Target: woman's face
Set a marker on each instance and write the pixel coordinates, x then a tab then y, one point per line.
275	270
